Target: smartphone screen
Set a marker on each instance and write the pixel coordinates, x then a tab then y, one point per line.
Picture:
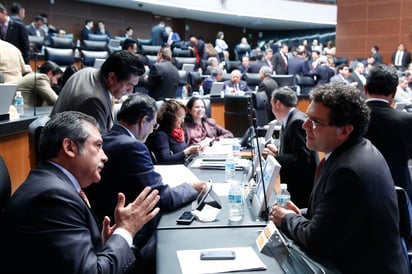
186	218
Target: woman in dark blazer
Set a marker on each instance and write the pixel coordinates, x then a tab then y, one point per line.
168	143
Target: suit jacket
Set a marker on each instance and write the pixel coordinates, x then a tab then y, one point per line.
296	65
158	35
355	78
106	32
11	62
85	91
323	74
162	81
406	59
378	58
31	30
297	161
255	66
353	217
41	93
279	65
166	149
242	85
390	131
47	214
268	85
85	33
207	84
17	35
337	78
195	133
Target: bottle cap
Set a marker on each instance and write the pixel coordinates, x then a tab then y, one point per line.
283	186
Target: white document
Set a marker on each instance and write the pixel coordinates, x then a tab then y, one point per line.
246	259
174	175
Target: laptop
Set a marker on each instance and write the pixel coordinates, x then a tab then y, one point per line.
188	67
7	93
98	62
216	88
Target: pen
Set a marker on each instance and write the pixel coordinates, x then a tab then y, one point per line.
211	142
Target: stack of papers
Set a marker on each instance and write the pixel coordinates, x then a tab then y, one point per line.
240	164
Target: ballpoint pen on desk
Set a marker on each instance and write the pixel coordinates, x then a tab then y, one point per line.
211	142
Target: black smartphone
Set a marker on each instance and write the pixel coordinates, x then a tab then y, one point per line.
186	218
217	255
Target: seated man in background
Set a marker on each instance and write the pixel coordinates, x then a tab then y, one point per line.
236	86
163	77
93	91
353	217
216	76
49	211
36	88
403	92
293	154
130	170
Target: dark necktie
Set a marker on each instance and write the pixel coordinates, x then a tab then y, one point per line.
319	168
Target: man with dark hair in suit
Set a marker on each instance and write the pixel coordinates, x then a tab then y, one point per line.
352	217
15	33
93	91
130	44
159	35
197	46
163	77
50	212
35	27
376	55
280	60
254	66
131	169
396	147
17	12
267	85
401	58
87	29
216	76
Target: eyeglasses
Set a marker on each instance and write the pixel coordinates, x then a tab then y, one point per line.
315	123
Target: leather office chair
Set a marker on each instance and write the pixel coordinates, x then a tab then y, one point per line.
35	129
405	223
284	80
89	56
260	104
305	83
340	60
179	61
240	51
5	184
94	45
61	42
232	65
237	109
194	79
182	82
61	56
178	52
150	60
98	37
252	80
149	49
37	42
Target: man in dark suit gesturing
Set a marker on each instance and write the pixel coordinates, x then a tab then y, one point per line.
51	214
352	218
396	147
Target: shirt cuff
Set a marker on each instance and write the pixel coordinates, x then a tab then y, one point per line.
125	234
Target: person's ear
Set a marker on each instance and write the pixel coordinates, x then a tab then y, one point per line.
69	148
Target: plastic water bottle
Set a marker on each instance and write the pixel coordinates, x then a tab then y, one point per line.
235	201
201	91
184	92
19	103
284	197
236	148
230	169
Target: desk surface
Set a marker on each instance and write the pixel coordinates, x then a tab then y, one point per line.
170	241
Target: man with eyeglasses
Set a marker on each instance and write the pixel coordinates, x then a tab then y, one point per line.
352	218
131	169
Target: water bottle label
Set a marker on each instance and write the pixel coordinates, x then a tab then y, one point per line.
235	198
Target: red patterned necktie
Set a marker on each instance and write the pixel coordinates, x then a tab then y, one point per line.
319	167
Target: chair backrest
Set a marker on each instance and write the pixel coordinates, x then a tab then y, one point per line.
340	60
178	52
236	114
241	50
252	80
35	129
89	56
5	184
194	79
284	80
94	45
61	56
306	83
260	104
150	60
149	49
61	42
37	41
98	37
232	65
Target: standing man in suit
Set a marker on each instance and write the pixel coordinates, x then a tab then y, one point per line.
131	169
376	55
268	85
36	27
93	91
159	35
197	46
87	29
401	58
15	33
352	218
163	77
297	64
254	66
298	162
322	73
49	211
357	77
280	60
396	147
